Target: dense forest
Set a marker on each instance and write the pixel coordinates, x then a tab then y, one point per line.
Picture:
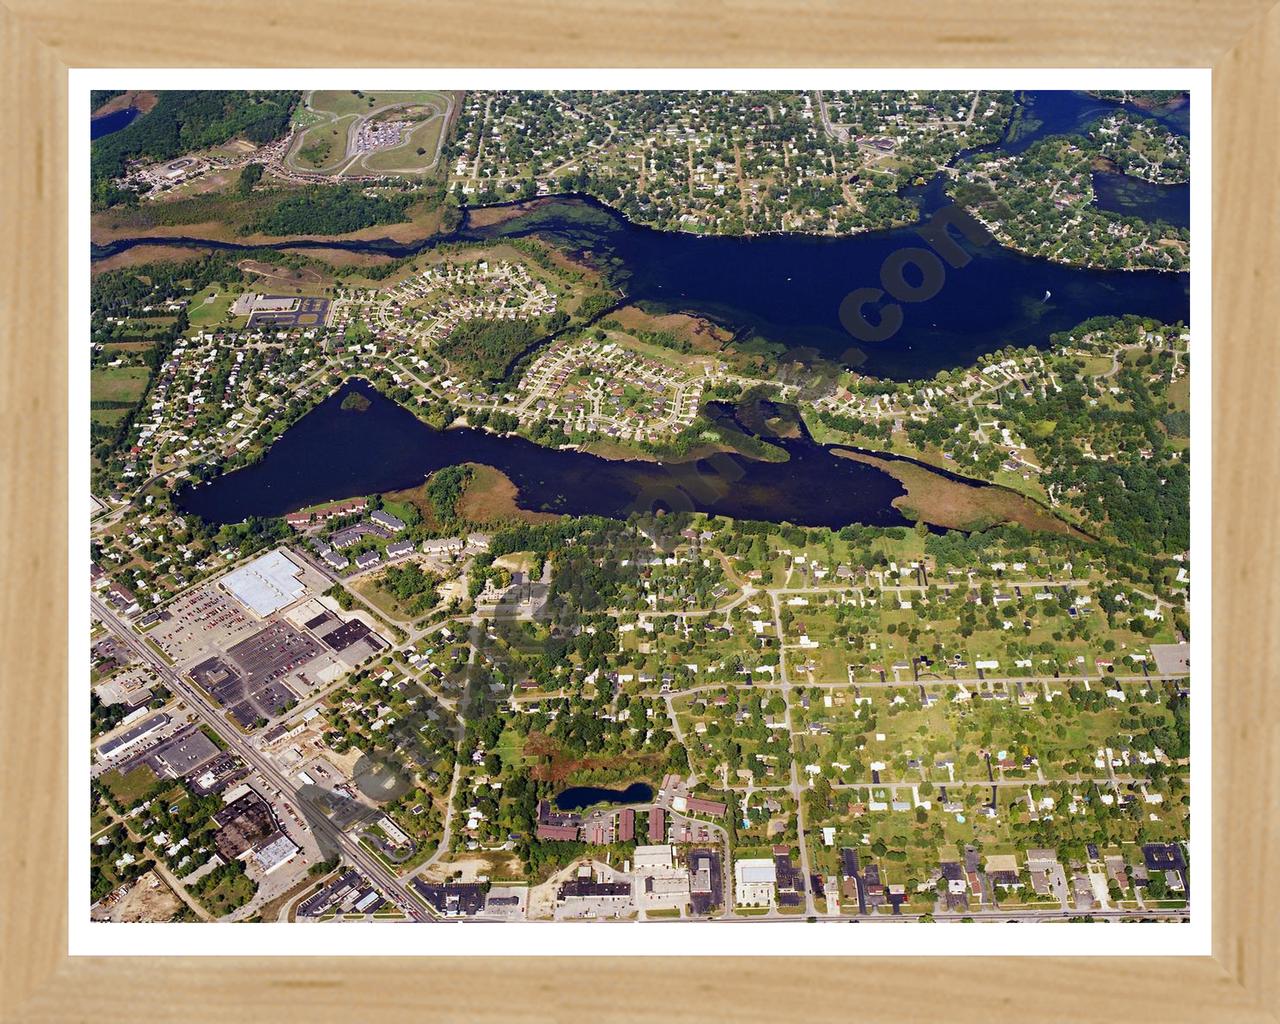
332	210
484	349
444	492
182	121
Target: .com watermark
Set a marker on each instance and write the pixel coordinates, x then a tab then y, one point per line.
929	266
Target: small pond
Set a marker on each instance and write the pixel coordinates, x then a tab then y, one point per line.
579	797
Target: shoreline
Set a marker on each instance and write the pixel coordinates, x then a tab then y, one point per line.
406	234
952	504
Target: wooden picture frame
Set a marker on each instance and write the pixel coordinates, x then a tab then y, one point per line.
1239	39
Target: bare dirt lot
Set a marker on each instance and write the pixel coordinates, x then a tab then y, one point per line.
150	899
498	863
283	275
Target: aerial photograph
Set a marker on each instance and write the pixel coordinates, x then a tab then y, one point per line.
638	506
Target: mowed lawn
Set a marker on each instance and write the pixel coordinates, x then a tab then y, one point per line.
344	101
209	307
118	383
510	748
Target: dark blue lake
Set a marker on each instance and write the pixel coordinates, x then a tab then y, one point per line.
786	290
333	453
113	122
1121	193
581	797
1041	113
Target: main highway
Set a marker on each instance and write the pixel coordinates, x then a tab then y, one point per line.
370	865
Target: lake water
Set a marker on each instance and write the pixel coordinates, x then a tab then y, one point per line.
786	290
113	122
581	797
332	453
1067	112
1134	197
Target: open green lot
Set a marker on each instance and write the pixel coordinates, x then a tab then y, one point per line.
118	383
348	101
210	307
107	417
324	146
129	789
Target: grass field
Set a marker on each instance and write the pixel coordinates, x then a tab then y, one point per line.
118	383
510	748
943	502
381	599
323	147
129	789
209	307
345	101
107	417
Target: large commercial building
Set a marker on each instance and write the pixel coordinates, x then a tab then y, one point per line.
754	879
266	584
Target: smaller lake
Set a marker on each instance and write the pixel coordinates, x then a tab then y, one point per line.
581	797
113	122
333	453
1133	197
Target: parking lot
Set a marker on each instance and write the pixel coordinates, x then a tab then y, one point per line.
203	618
309	312
252	679
272	653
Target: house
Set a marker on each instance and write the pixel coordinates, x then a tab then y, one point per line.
1117	871
872	887
657	825
714	808
388	520
851	882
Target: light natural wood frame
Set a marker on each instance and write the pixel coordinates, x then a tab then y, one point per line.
41	39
